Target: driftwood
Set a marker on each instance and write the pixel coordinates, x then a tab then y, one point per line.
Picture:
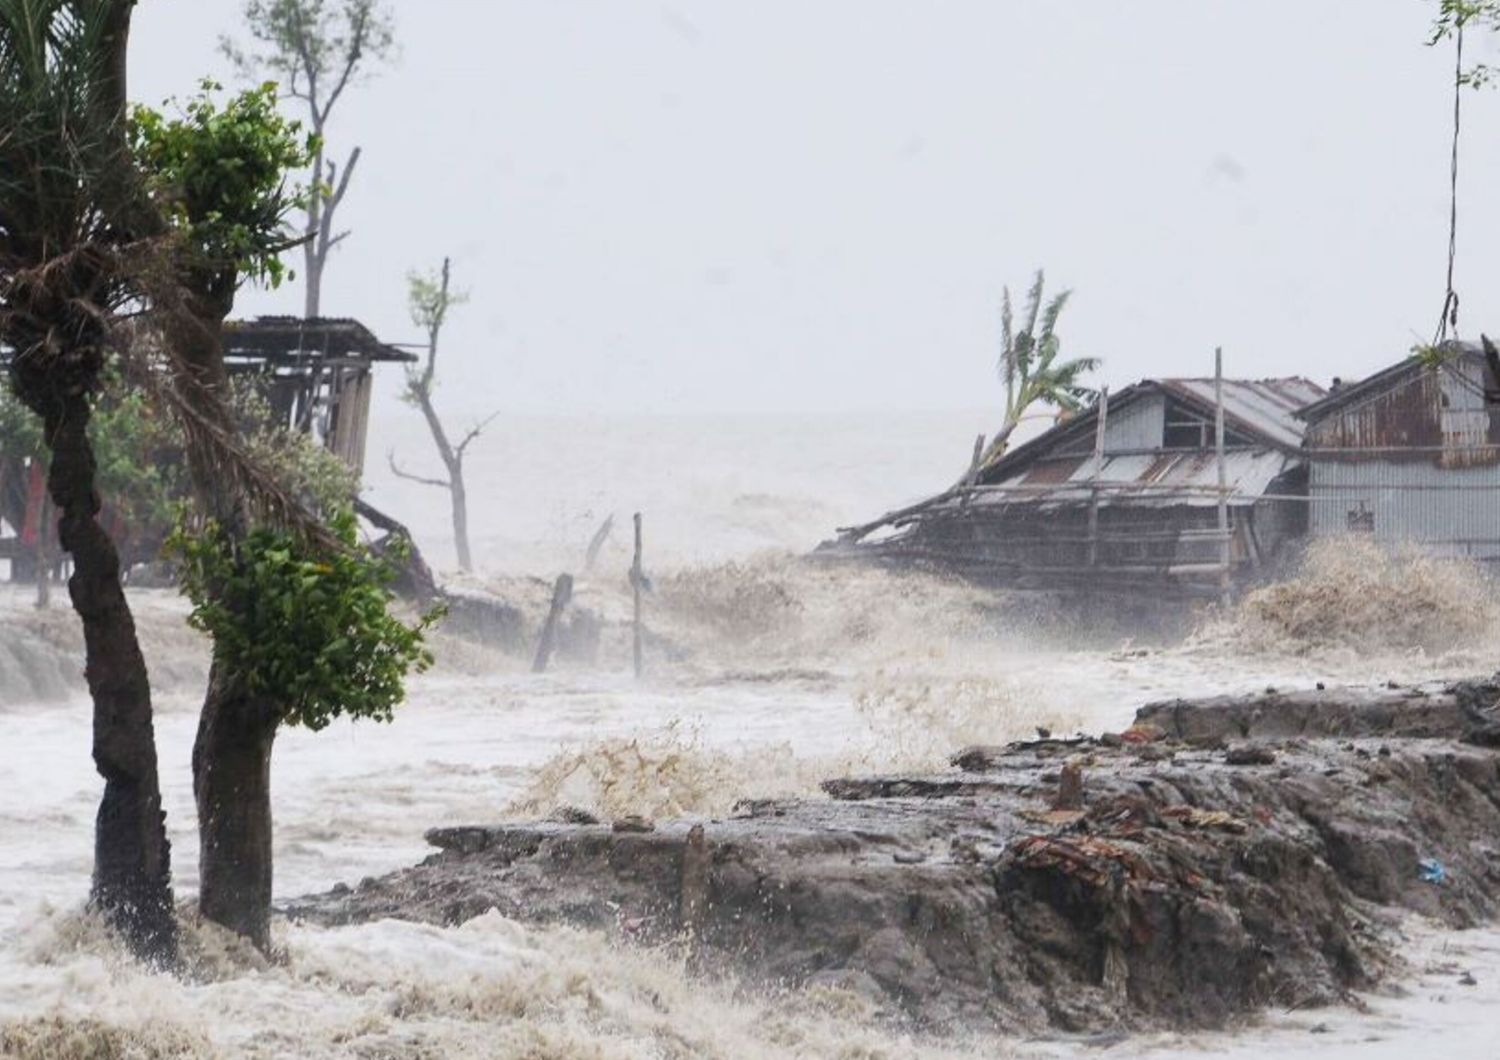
562	593
414	579
475	617
854	534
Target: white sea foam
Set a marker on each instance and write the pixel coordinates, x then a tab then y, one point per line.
766	674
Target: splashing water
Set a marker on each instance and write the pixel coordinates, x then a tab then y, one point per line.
766	673
670	774
1351	593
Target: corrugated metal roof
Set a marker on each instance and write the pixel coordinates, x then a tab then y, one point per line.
1386	378
286	337
1267	407
1263	409
1187	478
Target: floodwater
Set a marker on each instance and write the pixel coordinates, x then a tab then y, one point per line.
770	674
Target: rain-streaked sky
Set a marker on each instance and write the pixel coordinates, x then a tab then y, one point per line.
748	205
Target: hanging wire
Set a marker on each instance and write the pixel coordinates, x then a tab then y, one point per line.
1449	314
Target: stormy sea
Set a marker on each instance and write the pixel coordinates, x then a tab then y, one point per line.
766	673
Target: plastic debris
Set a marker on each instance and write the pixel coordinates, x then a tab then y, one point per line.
1431	870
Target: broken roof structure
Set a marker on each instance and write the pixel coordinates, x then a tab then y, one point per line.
317	373
1124	495
1158	446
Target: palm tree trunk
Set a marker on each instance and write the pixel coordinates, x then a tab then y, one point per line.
132	883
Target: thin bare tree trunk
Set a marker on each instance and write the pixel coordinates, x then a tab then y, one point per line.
312	261
431	310
460	515
314	302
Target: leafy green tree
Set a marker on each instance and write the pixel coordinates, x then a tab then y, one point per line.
1030	365
431	298
1452	18
299	616
72	233
316	50
313	635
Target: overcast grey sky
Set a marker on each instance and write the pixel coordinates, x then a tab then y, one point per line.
813	204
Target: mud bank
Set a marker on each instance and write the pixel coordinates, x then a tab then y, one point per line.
1220	856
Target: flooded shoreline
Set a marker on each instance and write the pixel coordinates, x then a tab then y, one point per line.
838	672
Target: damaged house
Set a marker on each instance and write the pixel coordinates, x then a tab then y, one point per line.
1126	496
1411	455
317	376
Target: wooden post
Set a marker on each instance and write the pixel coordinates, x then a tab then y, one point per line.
44	557
596	543
1223	477
637	578
562	592
693	903
1099	428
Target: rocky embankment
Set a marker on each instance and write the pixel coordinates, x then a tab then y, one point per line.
1219	856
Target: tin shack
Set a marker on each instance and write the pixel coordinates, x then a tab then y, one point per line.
1411	455
1125	496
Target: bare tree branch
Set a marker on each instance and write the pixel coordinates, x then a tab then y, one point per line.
293	90
399	473
325	220
351	60
343	185
458	450
289	244
310	69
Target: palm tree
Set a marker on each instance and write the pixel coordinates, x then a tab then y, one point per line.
67	193
1030	367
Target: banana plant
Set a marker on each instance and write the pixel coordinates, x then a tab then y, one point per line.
1031	368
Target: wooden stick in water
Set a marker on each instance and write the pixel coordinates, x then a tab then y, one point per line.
562	593
637	578
597	542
